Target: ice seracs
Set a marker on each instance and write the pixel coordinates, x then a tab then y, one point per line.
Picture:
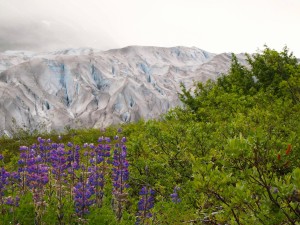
92	88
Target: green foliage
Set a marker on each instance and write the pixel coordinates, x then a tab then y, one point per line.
233	149
253	115
24	214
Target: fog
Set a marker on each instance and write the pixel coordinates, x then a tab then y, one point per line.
214	25
49	25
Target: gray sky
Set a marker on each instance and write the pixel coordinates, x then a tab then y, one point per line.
213	25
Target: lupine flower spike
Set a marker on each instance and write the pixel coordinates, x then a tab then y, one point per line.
145	204
83	192
4	176
174	196
120	176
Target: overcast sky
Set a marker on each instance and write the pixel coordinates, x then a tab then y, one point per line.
213	25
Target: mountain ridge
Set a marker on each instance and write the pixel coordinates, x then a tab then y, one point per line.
92	88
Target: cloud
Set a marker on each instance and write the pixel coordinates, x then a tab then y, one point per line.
22	28
217	26
45	35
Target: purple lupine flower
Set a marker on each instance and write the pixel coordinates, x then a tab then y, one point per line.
54	145
23	148
82	197
36	179
120	170
102	151
100	139
36	172
97	180
120	176
42	149
12	201
69	144
1	157
98	168
74	158
75	165
34	146
24	156
106	150
37	176
15	175
4	176
174	196
92	154
63	163
59	162
15	180
39	139
145	204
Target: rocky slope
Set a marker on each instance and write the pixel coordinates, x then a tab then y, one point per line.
89	88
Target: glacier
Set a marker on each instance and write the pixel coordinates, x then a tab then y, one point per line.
91	88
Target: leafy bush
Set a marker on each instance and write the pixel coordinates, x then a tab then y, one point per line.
231	155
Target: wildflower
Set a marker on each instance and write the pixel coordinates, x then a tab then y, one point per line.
120	176
82	197
123	139
23	148
12	201
69	144
4	175
145	204
175	196
98	170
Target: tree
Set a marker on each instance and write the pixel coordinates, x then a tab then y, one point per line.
249	174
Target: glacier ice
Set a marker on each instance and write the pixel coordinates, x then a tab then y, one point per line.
92	88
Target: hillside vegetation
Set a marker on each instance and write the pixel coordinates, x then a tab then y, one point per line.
229	156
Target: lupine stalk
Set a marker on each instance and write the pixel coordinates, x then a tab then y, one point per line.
36	179
24	156
174	196
13	200
73	165
98	169
120	177
145	204
59	167
4	176
83	192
